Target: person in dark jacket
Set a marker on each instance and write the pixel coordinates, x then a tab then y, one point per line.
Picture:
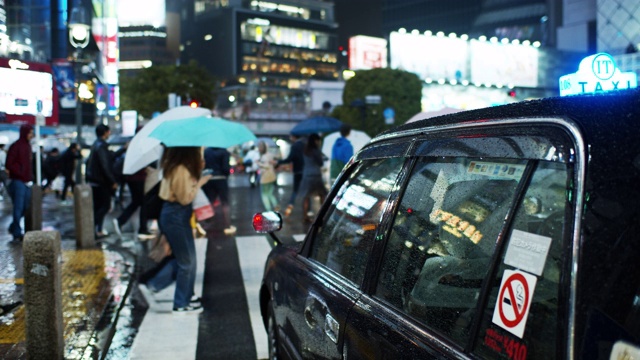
100	177
19	160
50	168
296	159
216	162
341	152
67	168
312	182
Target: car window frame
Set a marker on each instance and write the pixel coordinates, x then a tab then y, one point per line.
495	128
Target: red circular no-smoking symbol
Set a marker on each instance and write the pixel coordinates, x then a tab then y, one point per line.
515	301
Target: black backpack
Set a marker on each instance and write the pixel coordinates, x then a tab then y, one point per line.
117	168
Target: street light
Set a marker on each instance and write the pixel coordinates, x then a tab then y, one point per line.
79	32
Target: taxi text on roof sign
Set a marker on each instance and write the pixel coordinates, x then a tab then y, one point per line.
597	73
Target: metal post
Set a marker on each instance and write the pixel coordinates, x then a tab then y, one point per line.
44	327
76	67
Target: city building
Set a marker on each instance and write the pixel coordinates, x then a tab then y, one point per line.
34	36
145	33
266	53
611	26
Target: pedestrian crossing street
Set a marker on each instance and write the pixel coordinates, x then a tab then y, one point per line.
163	335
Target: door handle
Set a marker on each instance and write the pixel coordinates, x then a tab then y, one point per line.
308	317
331	328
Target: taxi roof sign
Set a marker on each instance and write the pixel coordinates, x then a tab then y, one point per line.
597	73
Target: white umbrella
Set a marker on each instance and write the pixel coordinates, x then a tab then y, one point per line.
143	150
358	140
430	114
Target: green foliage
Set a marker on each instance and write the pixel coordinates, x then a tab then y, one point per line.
399	90
148	91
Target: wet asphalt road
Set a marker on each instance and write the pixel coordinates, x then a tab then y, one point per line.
224	330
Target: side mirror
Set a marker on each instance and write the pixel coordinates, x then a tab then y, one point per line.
266	222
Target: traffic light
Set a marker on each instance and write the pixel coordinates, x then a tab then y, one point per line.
194	104
511	93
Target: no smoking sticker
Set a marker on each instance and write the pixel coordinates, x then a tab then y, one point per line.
514	301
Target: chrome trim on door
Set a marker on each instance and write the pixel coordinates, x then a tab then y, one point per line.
331	328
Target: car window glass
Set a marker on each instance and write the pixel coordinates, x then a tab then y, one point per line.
523	323
344	241
443	237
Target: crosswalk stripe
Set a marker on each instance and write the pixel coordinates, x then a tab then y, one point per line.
252	254
163	335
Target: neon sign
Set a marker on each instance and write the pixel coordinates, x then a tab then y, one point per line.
597	73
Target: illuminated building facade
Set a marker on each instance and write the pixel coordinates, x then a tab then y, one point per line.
35	32
144	35
266	52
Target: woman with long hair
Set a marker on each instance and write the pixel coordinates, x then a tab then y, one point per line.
312	183
181	180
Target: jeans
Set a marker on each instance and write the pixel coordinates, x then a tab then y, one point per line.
219	188
101	204
21	197
297	179
175	223
268	196
137	200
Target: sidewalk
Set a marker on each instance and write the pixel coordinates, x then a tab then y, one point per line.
95	284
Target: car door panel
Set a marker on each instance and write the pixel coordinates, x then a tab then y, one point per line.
304	296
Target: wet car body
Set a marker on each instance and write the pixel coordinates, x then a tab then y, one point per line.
428	246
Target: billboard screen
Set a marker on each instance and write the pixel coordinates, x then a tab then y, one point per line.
506	64
429	56
22	92
451	58
367	52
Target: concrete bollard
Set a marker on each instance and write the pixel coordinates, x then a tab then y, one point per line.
83	210
33	215
43	294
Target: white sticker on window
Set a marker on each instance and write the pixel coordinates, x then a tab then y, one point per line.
624	351
527	251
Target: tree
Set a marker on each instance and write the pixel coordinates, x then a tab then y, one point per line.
148	91
398	89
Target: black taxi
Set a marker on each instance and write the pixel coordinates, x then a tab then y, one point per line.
511	232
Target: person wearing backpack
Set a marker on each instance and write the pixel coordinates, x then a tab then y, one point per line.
100	177
68	161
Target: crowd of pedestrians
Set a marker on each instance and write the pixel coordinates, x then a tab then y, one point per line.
182	172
